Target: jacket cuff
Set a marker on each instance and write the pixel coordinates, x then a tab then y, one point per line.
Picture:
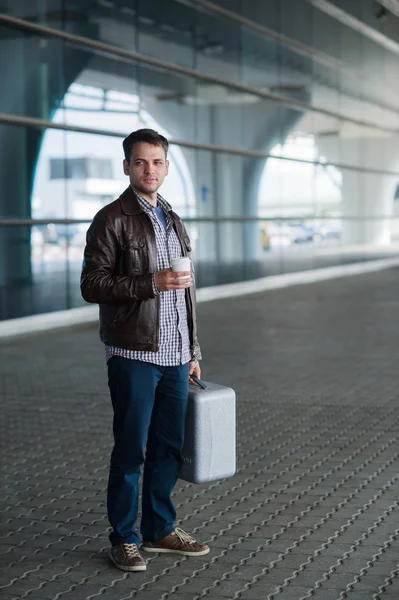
143	287
154	286
195	353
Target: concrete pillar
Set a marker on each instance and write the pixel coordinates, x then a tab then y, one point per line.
235	183
367	198
46	68
264	128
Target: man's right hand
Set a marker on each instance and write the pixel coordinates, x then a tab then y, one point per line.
167	280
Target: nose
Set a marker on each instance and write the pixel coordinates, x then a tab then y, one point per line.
149	169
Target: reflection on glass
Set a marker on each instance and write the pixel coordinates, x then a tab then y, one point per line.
166	32
299	181
297	211
49	271
78	173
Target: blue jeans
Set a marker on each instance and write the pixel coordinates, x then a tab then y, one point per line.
150	404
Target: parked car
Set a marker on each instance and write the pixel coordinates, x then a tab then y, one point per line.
285	233
55	233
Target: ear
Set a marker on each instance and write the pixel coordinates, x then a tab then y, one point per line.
125	167
167	167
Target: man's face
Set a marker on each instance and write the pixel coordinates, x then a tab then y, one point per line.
147	169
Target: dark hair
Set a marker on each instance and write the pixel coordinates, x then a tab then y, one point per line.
150	136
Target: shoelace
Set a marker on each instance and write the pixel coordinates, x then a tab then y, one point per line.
184	537
131	550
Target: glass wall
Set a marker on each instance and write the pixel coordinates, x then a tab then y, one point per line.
282	121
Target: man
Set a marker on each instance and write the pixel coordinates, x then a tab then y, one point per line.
148	326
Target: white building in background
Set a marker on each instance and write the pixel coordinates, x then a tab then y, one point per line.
295	189
78	173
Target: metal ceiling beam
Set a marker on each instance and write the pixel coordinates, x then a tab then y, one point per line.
104	49
391	5
298	47
356	24
301	49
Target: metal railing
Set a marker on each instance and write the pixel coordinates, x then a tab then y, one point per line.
136	57
20	120
19	222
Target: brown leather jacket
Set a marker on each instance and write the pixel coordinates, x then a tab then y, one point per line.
119	260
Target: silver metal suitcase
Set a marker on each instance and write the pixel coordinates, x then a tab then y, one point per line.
209	450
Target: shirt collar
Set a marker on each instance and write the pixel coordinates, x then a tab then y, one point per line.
147	206
150	209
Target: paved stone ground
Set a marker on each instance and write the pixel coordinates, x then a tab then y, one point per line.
313	510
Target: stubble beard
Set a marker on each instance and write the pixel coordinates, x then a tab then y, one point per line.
147	189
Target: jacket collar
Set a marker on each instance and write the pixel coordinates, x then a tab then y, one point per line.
131	206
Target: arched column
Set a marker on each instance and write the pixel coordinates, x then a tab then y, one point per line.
367	197
46	69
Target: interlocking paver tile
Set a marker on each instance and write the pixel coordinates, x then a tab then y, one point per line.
317	455
260	591
371	582
157	595
78	593
186	585
357	596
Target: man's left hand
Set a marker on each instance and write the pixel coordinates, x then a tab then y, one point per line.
194	369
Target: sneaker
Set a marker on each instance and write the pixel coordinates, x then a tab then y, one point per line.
178	542
127	558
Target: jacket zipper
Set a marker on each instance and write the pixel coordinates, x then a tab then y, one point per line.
154	244
188	293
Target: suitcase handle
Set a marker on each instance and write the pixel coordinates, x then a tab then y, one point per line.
199	382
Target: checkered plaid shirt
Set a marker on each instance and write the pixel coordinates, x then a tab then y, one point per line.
174	337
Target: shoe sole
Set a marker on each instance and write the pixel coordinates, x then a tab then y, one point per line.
181	552
123	568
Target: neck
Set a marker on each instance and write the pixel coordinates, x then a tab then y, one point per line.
151	198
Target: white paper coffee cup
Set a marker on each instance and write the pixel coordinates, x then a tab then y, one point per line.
181	264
